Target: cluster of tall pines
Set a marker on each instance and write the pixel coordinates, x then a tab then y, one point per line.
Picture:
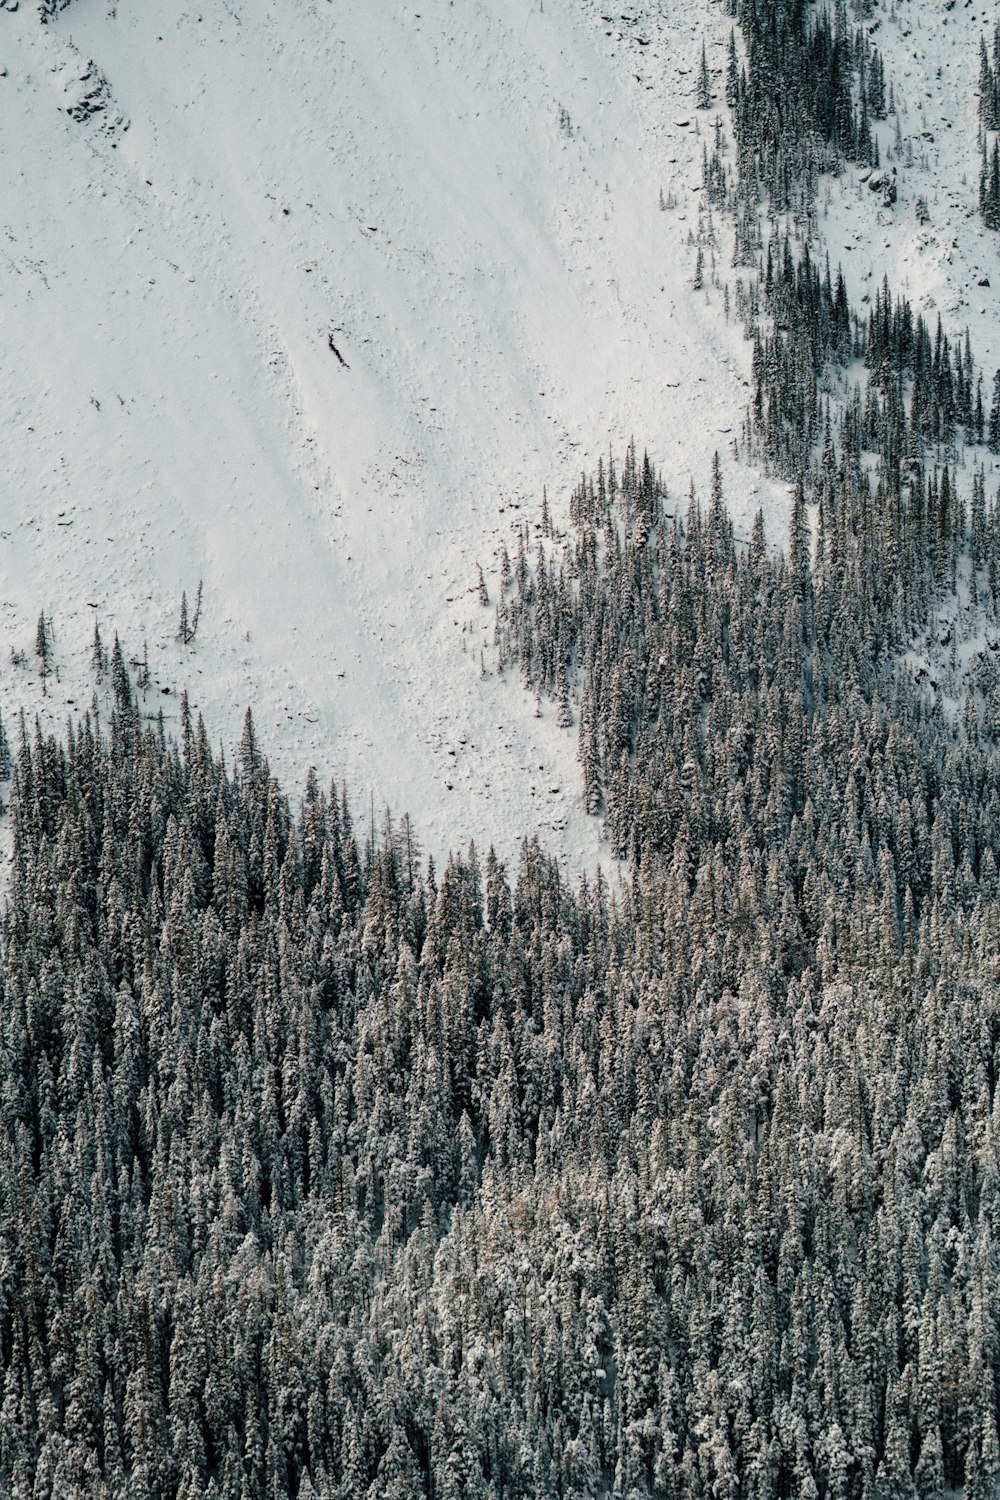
922	391
989	125
804	99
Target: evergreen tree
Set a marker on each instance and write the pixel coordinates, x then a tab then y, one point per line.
43	650
703	87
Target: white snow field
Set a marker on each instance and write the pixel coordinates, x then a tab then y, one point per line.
308	302
310	305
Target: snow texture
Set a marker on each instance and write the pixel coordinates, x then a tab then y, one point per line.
309	302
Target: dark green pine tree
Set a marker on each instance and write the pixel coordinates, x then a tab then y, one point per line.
732	72
994	429
989	186
43	649
703	87
798	542
989	93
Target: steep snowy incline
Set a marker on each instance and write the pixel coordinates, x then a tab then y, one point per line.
939	257
309	302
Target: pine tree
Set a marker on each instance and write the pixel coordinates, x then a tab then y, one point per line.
43	650
989	186
994	432
798	545
98	655
732	72
703	88
184	627
187	628
119	676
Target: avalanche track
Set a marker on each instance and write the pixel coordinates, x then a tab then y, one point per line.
309	302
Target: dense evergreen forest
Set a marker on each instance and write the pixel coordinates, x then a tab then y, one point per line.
329	1173
326	1173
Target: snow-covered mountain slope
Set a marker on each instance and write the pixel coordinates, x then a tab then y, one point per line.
932	59
309	302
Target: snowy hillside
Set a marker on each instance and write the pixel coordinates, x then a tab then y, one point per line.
309	303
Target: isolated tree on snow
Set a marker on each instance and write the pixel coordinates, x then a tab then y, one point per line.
43	649
703	90
188	626
98	655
